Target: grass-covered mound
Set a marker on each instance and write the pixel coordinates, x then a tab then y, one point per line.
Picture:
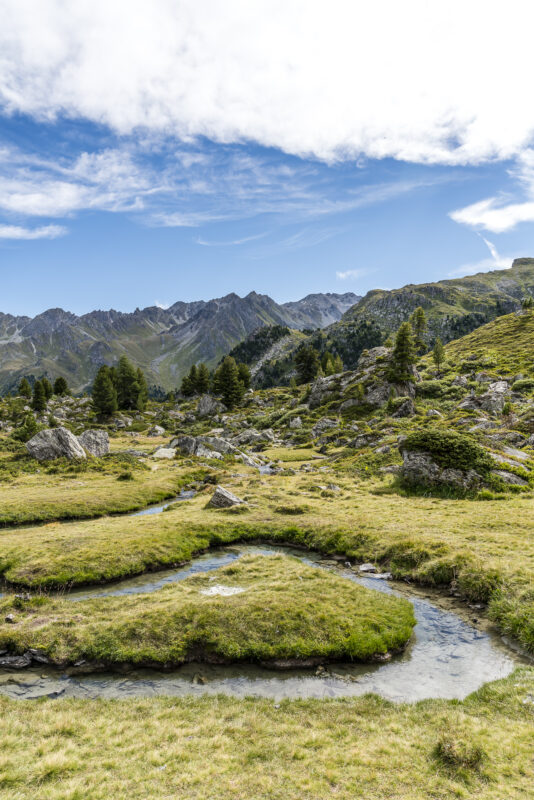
286	611
450	450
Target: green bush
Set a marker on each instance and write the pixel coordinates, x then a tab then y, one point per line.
430	388
524	386
451	450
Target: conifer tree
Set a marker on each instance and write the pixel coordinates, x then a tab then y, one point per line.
104	393
185	388
142	397
25	388
39	397
61	386
338	364
438	354
307	363
127	385
244	375
418	323
403	355
203	379
228	384
48	389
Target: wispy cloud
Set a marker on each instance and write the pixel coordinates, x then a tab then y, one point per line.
44	232
161	304
496	261
232	243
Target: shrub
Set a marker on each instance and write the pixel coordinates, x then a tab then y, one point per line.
451	450
125	476
524	386
459	753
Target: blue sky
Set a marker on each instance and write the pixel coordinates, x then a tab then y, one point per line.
169	166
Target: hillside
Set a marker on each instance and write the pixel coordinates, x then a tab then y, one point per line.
453	309
164	342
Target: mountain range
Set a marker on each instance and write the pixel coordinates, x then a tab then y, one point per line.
163	342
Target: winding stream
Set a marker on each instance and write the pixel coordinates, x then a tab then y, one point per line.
447	657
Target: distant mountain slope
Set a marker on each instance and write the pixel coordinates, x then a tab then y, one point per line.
453	308
164	342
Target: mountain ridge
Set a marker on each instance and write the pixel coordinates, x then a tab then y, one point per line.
164	342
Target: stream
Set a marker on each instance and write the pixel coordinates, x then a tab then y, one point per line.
448	656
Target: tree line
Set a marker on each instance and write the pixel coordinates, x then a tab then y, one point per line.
230	381
42	391
122	387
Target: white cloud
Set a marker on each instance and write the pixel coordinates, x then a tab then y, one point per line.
232	243
45	232
351	274
442	82
161	304
485	264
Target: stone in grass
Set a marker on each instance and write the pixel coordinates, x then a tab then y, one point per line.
95	442
55	443
156	430
164	452
222	498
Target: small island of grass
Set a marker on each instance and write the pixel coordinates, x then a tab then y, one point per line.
272	610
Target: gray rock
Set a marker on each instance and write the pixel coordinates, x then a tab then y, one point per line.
202	451
509	477
493	402
460	380
95	442
187	445
369	358
419	469
500	459
156	430
222	498
323	425
406	409
367	568
208	406
322	390
513	452
433	413
483	377
364	440
15	662
498	386
296	422
55	443
164	452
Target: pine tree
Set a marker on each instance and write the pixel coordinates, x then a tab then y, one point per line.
307	363
48	389
203	379
403	355
185	388
418	323
39	397
327	363
338	365
127	385
25	388
438	354
142	397
61	386
228	384
244	375
104	393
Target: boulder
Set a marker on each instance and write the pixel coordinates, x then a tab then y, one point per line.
164	452
406	409
419	469
208	406
222	498
322	390
296	422
460	380
323	425
55	443
434	413
95	442
156	430
492	402
187	445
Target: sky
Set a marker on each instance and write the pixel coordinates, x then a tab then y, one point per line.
185	149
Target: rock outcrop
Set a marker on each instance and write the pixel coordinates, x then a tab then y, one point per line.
55	443
420	469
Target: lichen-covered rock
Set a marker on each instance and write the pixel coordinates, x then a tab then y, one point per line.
95	442
405	409
295	423
55	443
323	425
222	498
322	390
185	444
509	478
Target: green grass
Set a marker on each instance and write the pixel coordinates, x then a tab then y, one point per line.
277	616
222	748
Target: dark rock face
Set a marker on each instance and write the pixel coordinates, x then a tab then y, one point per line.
55	443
